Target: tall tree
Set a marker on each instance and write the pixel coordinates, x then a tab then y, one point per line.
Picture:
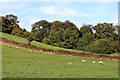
40	29
86	29
12	19
103	30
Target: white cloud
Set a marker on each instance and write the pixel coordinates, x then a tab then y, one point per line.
62	11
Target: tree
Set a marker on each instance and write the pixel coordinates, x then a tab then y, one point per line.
86	29
12	19
39	35
103	46
5	25
9	22
26	34
41	24
46	41
103	30
17	31
64	33
40	29
56	38
85	40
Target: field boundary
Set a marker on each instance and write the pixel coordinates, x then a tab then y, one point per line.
60	52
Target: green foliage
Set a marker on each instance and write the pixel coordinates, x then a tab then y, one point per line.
103	46
39	25
65	45
35	43
46	41
30	39
40	30
17	31
26	34
9	22
86	29
39	35
12	19
103	30
84	41
24	30
64	33
71	36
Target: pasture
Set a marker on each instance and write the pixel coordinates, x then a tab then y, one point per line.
22	63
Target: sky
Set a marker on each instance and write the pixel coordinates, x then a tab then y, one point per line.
78	12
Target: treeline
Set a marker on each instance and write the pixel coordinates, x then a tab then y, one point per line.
101	38
9	24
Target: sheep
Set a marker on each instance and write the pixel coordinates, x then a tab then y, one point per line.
101	62
94	62
31	51
69	62
83	60
16	47
9	46
41	51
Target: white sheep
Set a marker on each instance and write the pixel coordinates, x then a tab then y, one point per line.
83	60
16	47
31	51
69	62
94	62
41	51
9	46
101	62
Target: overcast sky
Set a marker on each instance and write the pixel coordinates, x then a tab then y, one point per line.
78	12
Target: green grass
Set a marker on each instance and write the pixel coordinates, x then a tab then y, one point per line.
42	45
45	46
21	63
13	38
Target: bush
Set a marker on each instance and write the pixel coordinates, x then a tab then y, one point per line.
17	31
26	34
30	39
102	46
46	41
84	41
65	45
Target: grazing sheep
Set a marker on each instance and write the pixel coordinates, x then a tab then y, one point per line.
94	62
31	51
83	60
16	47
69	62
9	46
101	62
41	51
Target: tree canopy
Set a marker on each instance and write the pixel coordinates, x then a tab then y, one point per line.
101	38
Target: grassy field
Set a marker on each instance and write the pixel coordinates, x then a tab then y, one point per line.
21	63
42	45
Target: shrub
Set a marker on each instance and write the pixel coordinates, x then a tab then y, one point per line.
17	31
30	39
65	45
26	34
84	41
46	41
102	46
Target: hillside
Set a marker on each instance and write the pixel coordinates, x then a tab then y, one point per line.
22	63
42	45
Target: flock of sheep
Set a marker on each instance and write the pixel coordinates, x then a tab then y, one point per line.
100	62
